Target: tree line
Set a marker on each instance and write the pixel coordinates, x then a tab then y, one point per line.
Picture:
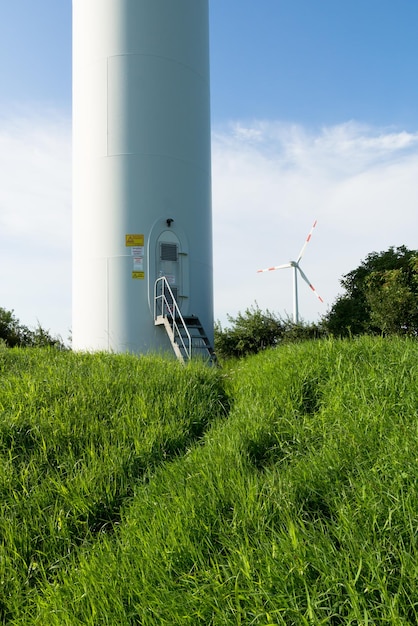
380	296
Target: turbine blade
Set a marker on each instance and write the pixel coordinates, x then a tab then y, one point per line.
276	267
306	279
308	238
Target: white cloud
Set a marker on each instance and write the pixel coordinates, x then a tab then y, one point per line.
270	182
35	220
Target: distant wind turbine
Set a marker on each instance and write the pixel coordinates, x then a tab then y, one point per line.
296	268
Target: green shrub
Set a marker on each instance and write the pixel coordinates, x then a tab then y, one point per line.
13	333
255	330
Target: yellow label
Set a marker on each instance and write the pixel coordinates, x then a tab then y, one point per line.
134	240
138	275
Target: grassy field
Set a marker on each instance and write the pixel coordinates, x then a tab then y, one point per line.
281	489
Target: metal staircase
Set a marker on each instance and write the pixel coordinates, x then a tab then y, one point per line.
186	334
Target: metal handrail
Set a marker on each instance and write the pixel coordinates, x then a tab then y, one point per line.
171	311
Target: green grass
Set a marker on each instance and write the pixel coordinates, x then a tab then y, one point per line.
281	489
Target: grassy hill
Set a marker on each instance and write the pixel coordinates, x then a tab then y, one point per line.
281	489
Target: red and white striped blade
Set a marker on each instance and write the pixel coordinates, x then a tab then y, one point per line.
276	267
306	279
308	238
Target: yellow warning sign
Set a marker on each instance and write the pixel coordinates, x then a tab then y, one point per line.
138	275
134	240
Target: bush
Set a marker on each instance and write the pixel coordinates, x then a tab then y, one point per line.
14	334
255	330
251	331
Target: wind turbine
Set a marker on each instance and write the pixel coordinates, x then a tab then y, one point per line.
296	268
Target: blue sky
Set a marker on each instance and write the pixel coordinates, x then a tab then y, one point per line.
315	61
314	116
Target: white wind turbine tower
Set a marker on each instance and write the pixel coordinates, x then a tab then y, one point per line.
296	268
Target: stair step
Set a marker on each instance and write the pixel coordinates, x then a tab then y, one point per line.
187	335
